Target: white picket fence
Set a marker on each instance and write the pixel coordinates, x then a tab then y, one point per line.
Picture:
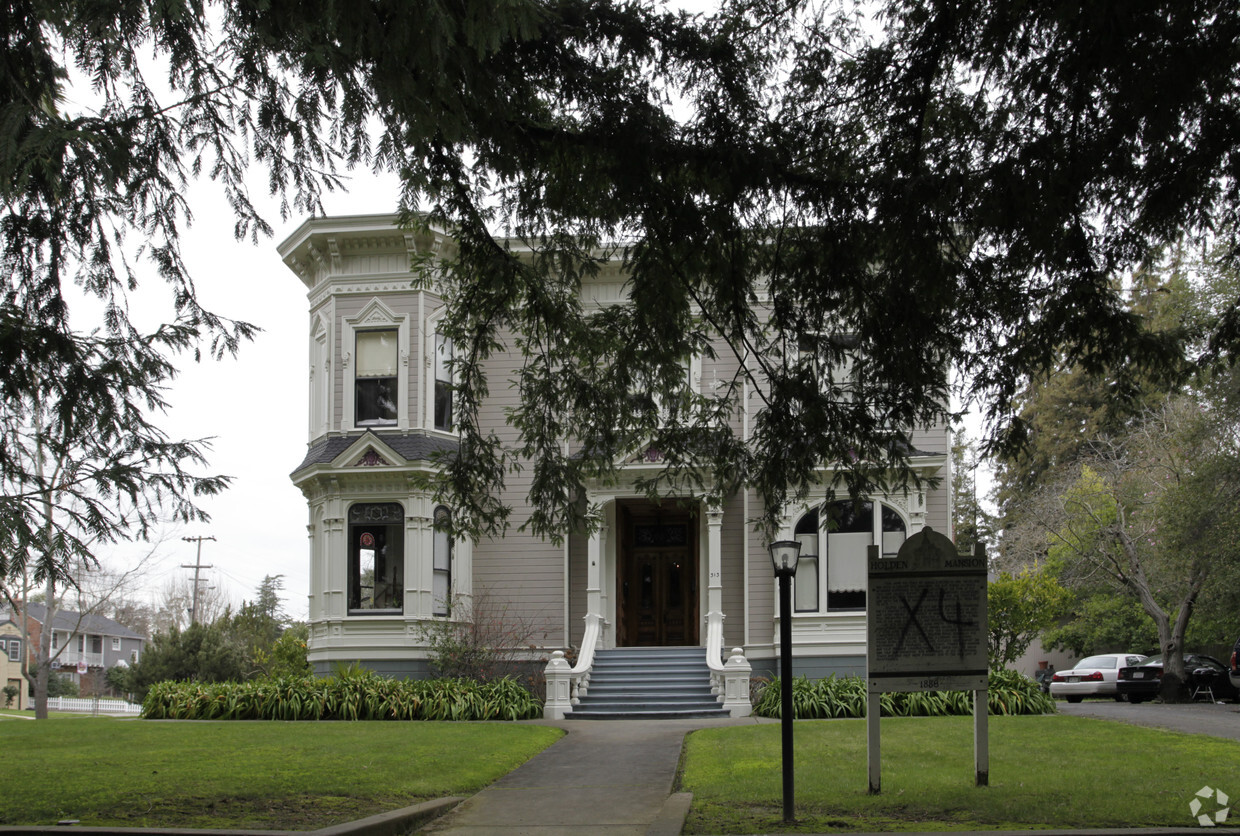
79	705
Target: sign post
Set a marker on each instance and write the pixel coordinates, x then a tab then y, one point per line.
926	631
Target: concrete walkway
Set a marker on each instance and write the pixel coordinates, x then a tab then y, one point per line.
603	776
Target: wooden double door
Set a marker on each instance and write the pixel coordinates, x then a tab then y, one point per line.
658	581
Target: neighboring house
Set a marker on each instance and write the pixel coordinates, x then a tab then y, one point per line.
686	574
11	663
84	646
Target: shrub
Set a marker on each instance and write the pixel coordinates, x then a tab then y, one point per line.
1009	693
352	693
482	639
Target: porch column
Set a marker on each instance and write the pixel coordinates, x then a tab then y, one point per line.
714	588
714	559
595	549
596	592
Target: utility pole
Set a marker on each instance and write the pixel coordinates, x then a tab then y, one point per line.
197	567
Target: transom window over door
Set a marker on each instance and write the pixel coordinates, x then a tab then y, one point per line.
376	557
376	386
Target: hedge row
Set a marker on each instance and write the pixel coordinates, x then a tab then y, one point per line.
350	695
1009	693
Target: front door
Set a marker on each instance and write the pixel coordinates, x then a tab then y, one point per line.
658	581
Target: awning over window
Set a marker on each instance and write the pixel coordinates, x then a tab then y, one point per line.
376	353
846	561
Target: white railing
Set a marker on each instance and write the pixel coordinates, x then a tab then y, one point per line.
566	685
86	705
729	681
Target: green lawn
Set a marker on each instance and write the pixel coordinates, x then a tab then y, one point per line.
1049	771
296	776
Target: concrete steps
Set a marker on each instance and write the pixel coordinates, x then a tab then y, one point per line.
649	683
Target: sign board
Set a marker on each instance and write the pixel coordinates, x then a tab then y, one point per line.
926	617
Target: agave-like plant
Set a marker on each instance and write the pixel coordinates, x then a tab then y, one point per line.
1008	693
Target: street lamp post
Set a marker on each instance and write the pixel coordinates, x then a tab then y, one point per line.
784	556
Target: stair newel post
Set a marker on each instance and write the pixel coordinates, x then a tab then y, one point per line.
559	676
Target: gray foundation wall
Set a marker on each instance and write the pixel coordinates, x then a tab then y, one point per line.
812	667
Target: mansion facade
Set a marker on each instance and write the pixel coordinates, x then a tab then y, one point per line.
685	574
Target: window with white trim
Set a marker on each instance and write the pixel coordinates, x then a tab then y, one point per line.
835	540
441	583
15	650
374	347
116	643
376	384
806	578
376	557
445	383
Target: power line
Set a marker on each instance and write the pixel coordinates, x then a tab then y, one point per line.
197	567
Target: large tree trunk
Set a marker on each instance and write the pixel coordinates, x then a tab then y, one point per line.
1172	688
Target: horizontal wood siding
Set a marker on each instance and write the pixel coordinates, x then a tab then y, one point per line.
717	374
931	439
732	539
521	568
577	580
761	583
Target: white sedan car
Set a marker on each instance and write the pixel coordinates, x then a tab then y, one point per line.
1093	676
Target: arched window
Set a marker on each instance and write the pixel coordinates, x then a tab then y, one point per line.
376	557
441	585
835	541
806	589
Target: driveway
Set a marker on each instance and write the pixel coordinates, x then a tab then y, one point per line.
1217	719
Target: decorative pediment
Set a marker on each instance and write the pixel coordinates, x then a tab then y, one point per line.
376	313
372	458
368	451
648	454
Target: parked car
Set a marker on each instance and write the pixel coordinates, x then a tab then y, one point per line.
1093	676
1142	682
1234	673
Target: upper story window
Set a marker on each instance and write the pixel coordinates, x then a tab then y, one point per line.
834	363
375	355
116	643
376	384
376	557
445	383
96	644
15	650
